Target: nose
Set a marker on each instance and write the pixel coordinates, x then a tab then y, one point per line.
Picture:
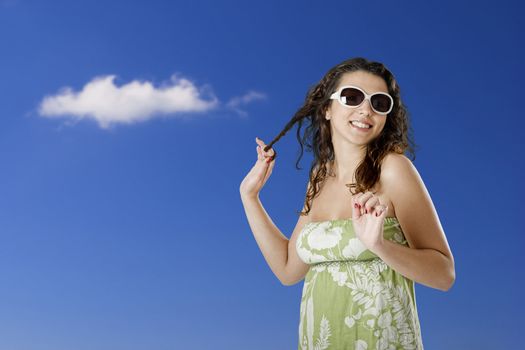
365	107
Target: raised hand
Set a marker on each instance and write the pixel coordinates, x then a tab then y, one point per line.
367	219
252	184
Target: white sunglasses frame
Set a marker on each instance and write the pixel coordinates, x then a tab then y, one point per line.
337	96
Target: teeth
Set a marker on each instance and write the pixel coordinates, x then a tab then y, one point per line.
361	125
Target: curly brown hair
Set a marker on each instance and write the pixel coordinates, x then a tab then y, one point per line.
395	137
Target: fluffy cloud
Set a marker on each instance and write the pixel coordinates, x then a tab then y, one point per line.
101	100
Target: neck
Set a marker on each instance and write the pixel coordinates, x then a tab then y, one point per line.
344	165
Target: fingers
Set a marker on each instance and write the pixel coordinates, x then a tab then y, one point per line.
267	154
356	210
263	167
367	203
268	171
381	210
370	204
260	155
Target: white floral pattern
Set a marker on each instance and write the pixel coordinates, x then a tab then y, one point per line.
354	248
351	299
324	236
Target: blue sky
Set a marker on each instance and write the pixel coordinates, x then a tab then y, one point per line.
126	231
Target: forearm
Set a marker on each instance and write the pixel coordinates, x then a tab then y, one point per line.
425	266
272	243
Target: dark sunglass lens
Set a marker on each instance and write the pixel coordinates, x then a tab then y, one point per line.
381	103
353	96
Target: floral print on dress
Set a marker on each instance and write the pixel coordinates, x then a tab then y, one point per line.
351	299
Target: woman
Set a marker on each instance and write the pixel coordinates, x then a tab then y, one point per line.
359	251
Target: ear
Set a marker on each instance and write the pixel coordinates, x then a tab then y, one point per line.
328	113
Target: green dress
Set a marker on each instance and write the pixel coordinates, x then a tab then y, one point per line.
352	299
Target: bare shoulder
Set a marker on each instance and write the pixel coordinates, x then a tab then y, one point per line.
413	204
395	160
397	170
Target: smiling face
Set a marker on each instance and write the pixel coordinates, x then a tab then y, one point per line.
341	116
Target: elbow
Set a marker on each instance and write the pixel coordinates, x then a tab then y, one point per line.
284	280
449	282
446	287
287	282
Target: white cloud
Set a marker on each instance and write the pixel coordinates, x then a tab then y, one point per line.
101	100
235	102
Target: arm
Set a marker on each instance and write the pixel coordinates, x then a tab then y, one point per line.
272	243
423	265
279	252
428	259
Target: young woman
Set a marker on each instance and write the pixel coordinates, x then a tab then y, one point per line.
359	251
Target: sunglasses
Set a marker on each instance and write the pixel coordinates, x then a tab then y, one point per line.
352	97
